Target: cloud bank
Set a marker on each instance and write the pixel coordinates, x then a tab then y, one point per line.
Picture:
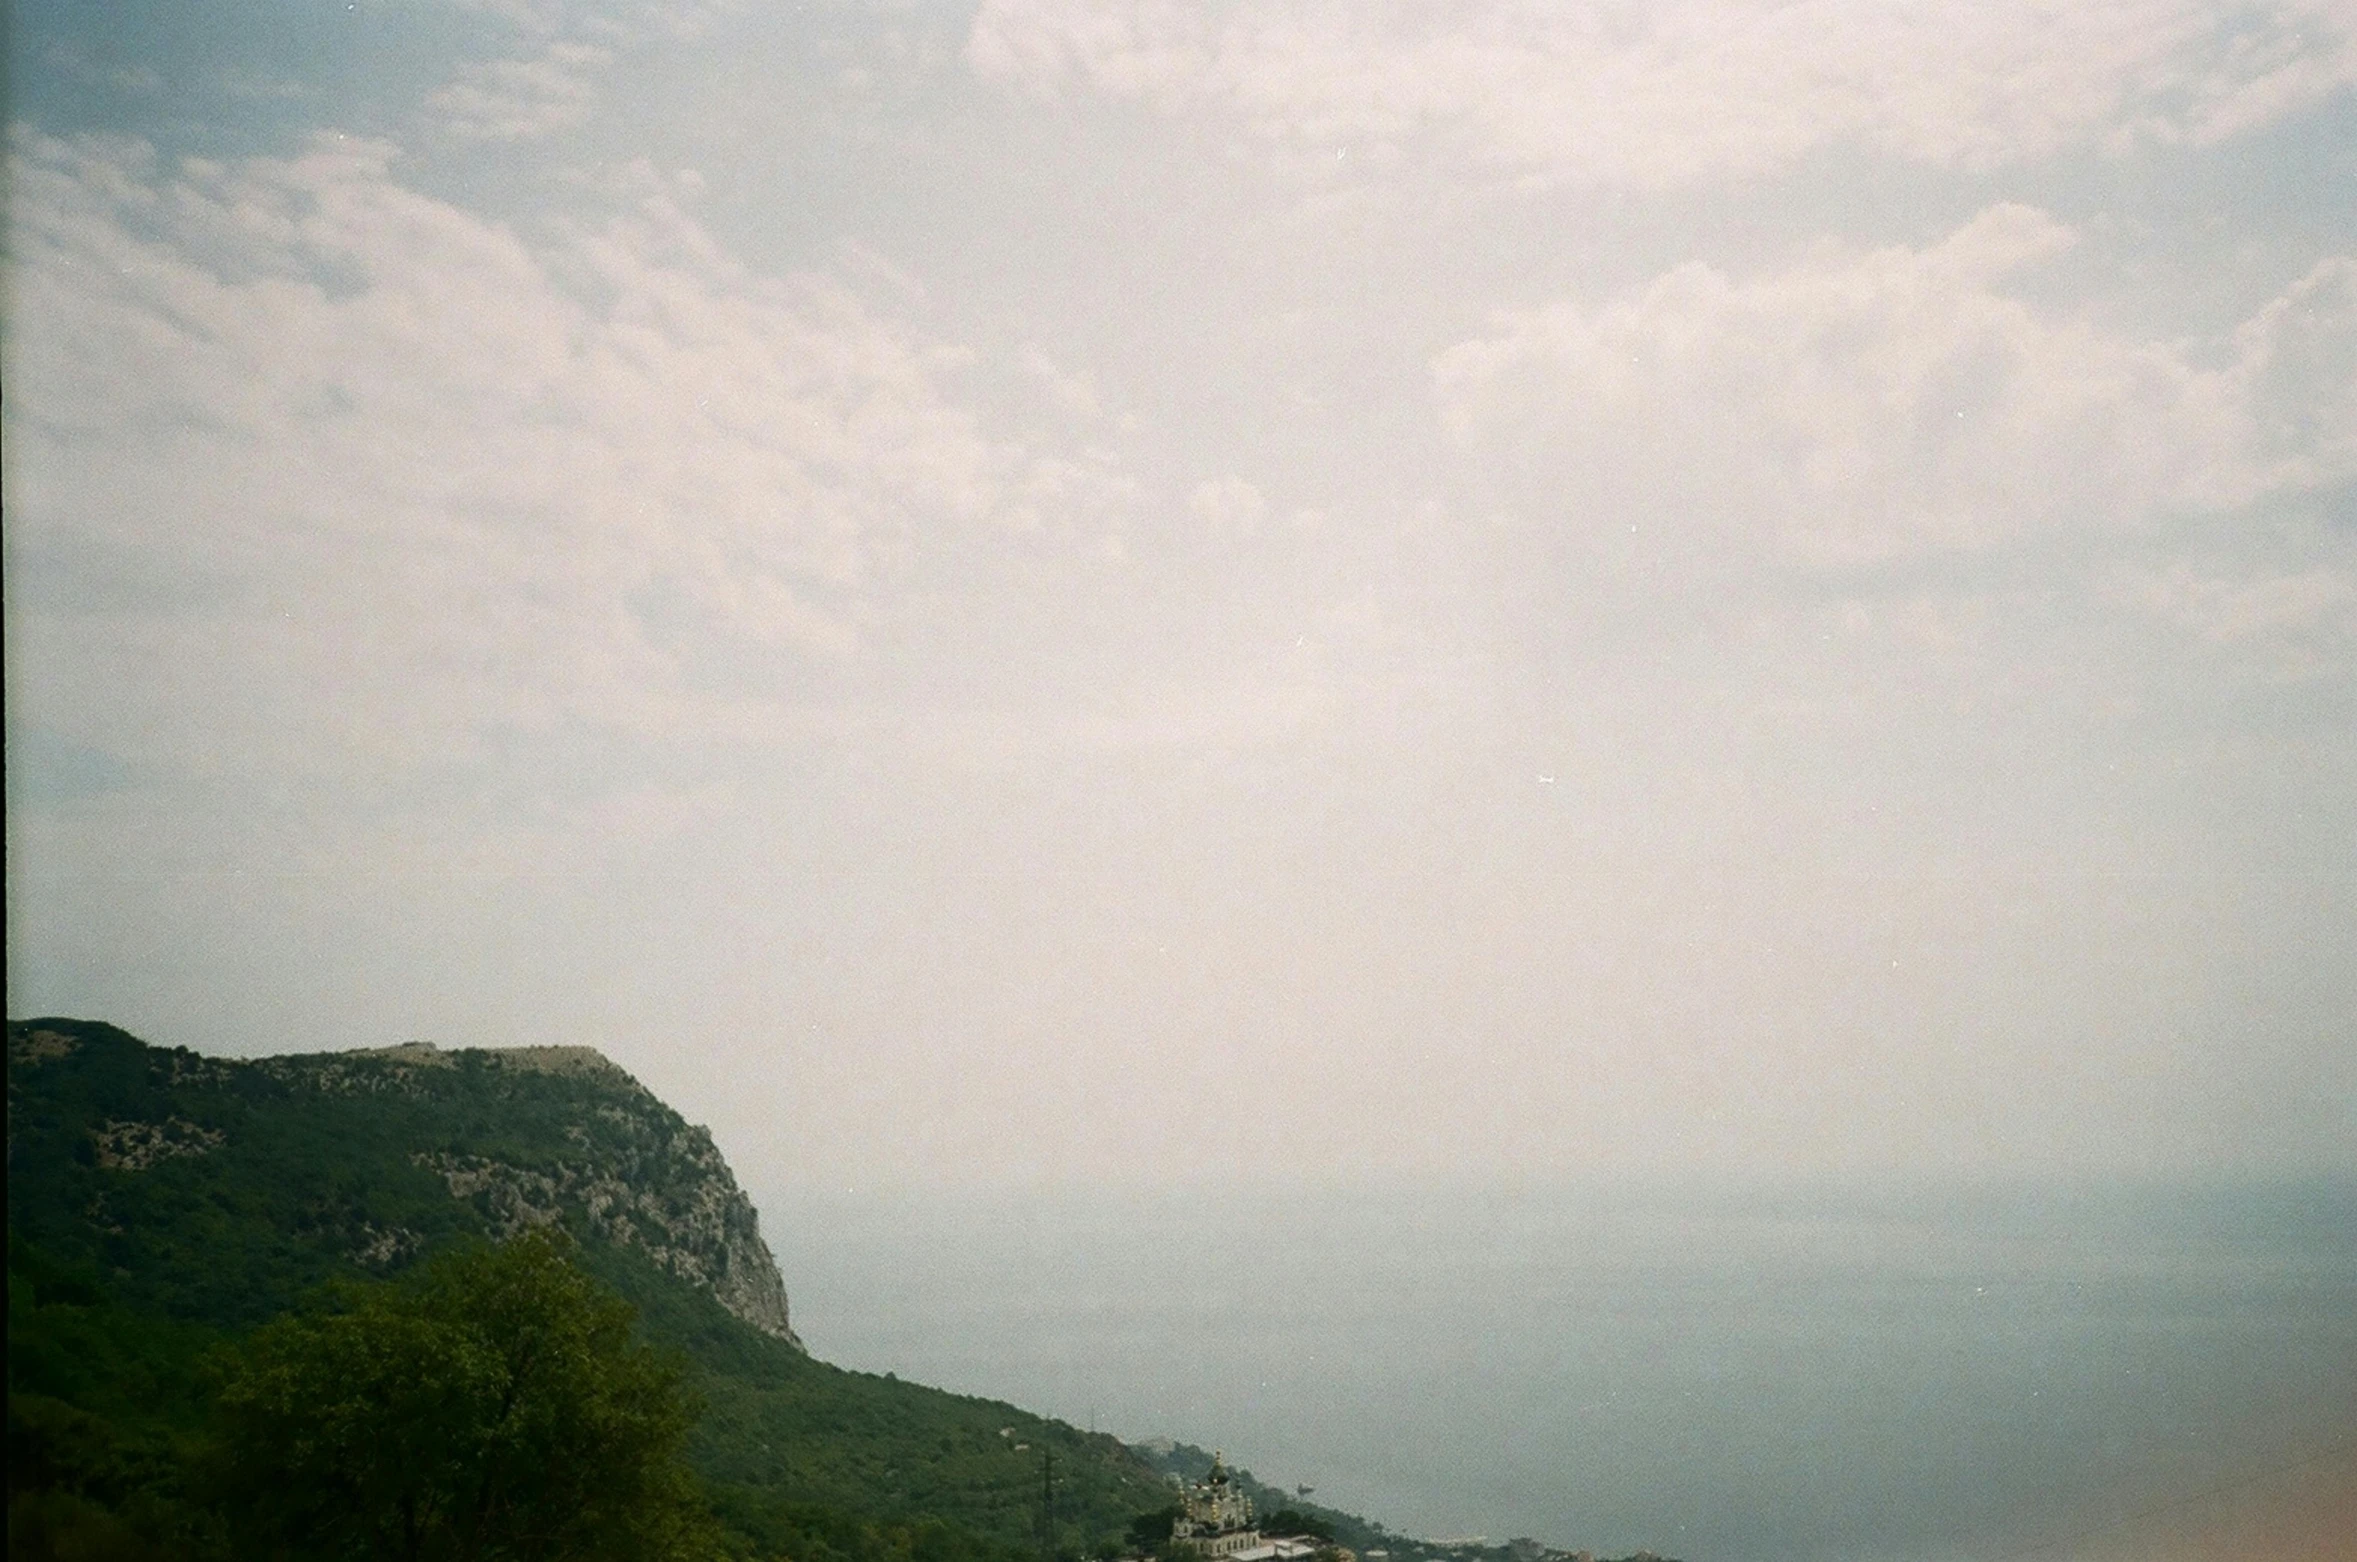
1695	91
463	476
1865	406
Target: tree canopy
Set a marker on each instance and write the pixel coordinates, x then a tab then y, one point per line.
1293	1522
494	1409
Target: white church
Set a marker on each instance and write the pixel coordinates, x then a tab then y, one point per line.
1215	1517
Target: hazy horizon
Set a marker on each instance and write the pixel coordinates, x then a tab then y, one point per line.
1708	1374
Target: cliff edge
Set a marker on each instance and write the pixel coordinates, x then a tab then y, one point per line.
370	1157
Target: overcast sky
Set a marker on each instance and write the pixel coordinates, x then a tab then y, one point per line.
1101	590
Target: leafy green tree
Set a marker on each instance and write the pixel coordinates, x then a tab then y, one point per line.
1292	1522
1150	1530
494	1409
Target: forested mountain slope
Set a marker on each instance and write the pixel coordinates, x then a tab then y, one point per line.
161	1203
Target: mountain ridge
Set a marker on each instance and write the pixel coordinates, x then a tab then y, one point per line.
163	1202
638	1173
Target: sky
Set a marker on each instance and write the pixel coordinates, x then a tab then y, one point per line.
1108	593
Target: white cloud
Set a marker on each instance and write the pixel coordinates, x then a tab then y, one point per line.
1866	405
1663	94
558	55
2297	624
362	475
1073	394
1230	504
523	99
2300	358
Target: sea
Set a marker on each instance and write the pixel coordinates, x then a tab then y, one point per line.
1712	1372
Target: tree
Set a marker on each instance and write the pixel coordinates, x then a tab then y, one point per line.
1293	1523
494	1409
1149	1530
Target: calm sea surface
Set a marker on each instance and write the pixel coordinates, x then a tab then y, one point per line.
1720	1377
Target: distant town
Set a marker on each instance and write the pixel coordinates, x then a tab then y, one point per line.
1224	1515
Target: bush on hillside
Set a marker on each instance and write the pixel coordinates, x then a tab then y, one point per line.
493	1409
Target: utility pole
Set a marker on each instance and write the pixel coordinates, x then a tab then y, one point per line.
1047	1504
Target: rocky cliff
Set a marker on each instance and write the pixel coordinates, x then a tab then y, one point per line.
639	1177
161	1203
340	1145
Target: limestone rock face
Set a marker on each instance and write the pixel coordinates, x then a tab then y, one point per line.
670	1195
629	1169
314	1163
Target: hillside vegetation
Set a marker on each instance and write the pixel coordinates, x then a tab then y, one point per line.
163	1205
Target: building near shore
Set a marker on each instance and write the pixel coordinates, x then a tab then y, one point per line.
1215	1517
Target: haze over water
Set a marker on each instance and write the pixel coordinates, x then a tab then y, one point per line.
1738	1377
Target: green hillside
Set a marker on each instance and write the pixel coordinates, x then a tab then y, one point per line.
161	1204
